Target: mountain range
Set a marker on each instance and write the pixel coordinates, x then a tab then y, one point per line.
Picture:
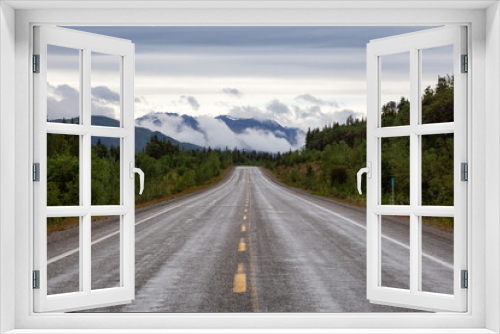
192	133
224	131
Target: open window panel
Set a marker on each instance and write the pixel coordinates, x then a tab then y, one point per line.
75	274
405	266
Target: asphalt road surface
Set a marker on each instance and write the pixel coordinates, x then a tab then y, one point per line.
250	244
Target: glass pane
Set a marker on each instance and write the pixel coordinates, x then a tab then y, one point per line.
106	87
395	89
63	255
395	254
63	170
437	254
437	84
437	170
106	252
63	84
395	171
105	171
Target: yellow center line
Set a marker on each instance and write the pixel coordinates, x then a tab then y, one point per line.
244	217
240	280
253	278
246	210
242	245
243	228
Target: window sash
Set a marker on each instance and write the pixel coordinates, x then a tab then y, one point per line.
413	43
86	297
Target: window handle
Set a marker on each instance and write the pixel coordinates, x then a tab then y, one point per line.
368	171
141	175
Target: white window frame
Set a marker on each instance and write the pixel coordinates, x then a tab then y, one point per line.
413	44
484	48
86	297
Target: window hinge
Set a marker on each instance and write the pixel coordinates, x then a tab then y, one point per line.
36	63
36	279
464	167
36	172
465	63
465	279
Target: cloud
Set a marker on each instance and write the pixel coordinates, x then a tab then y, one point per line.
100	108
264	141
191	100
106	94
232	91
216	134
314	117
341	116
315	100
141	99
63	101
277	107
105	102
248	112
172	125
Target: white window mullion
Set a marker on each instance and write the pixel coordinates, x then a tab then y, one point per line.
433	128
86	163
422	210
414	171
418	167
76	129
373	183
422	130
128	154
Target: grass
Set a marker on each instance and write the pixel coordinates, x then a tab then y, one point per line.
62	223
282	170
442	223
187	191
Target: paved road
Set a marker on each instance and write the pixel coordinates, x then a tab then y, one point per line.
251	244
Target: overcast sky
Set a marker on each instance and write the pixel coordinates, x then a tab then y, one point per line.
299	76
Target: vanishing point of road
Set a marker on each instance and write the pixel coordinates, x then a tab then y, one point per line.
251	244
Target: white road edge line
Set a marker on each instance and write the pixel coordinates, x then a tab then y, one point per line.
75	250
430	257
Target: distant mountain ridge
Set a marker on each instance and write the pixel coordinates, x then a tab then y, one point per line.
225	131
239	125
194	133
142	135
